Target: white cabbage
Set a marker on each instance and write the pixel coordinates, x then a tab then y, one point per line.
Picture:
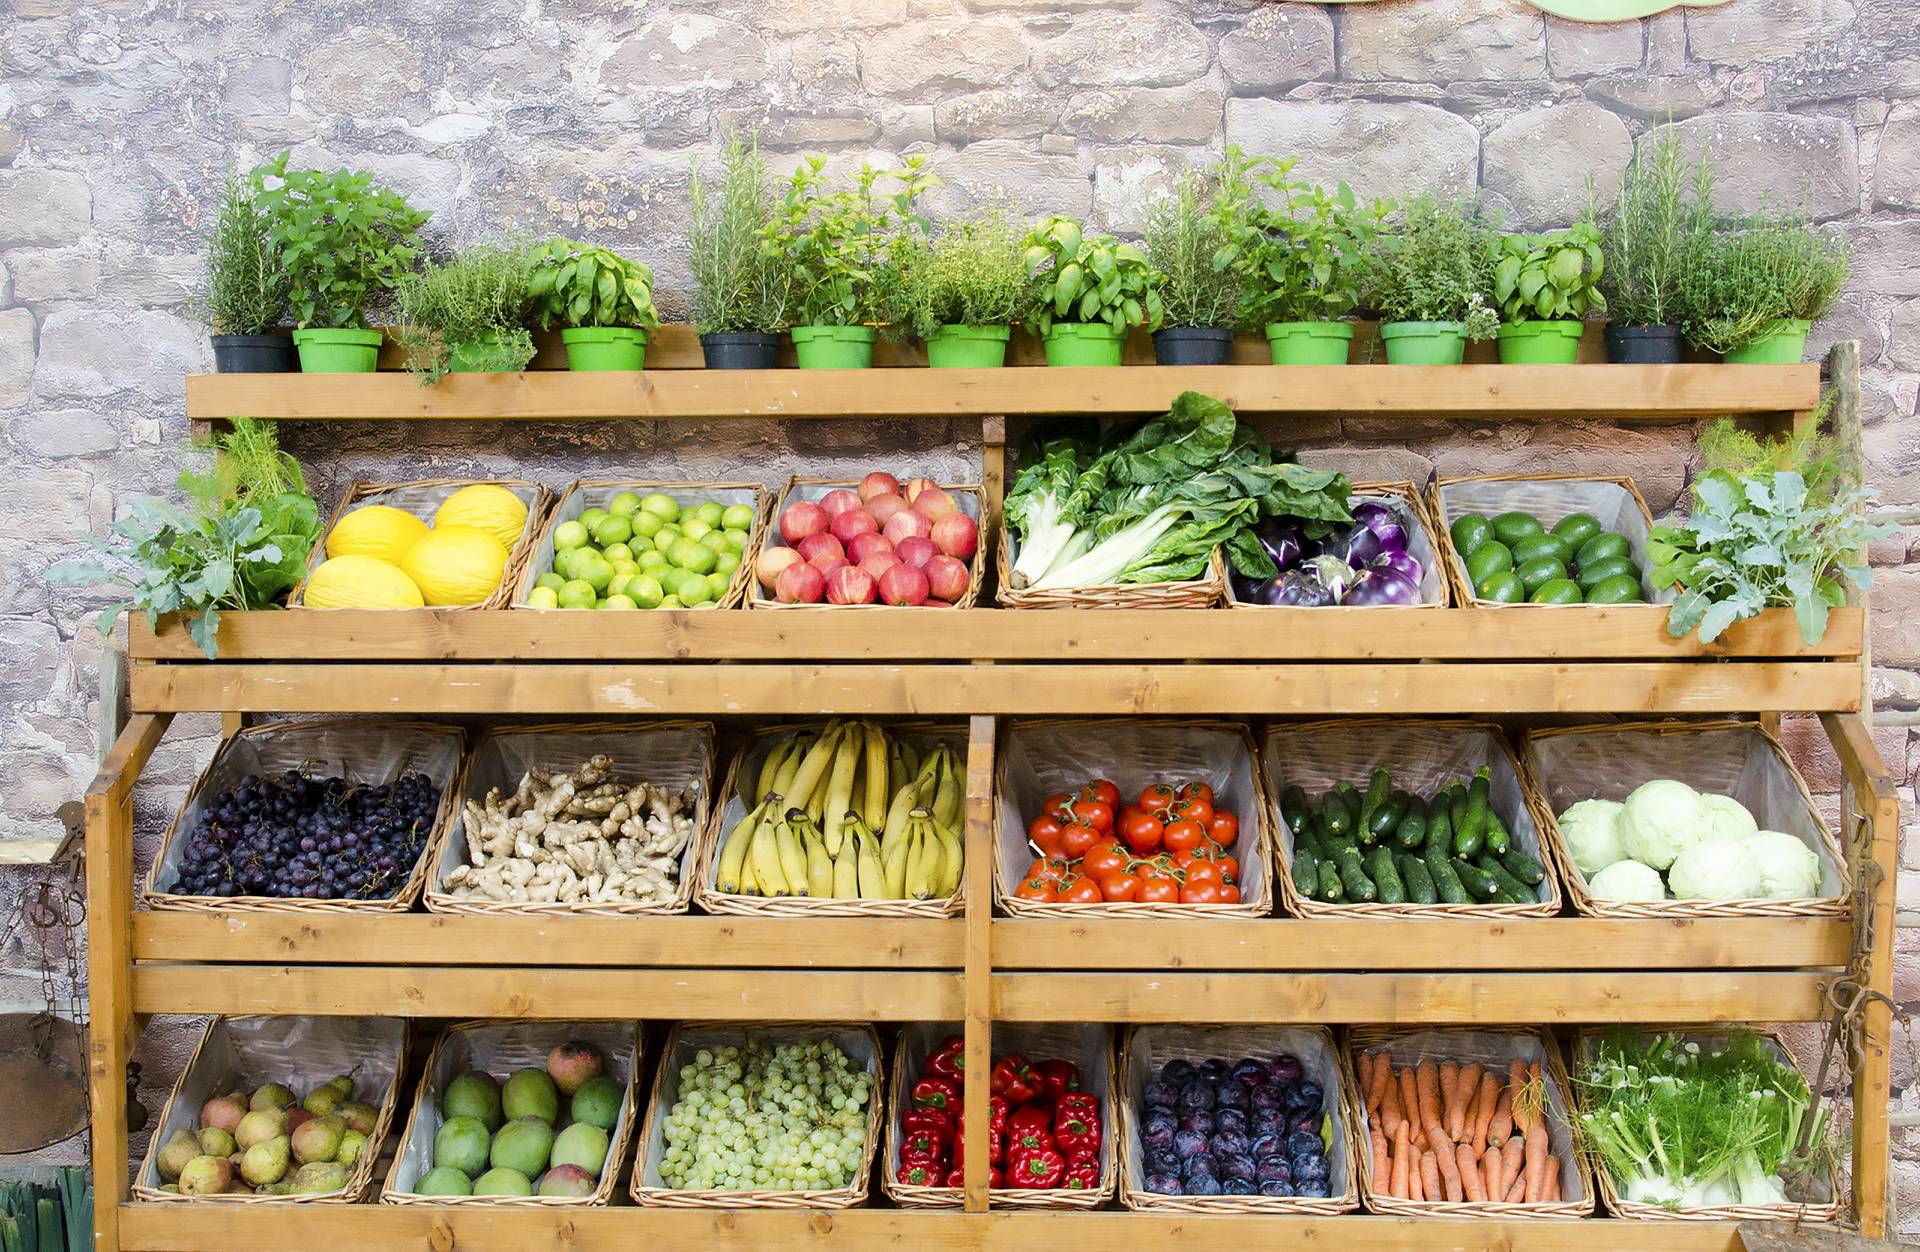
1716	869
1727	818
1592	831
1661	818
1789	869
1627	880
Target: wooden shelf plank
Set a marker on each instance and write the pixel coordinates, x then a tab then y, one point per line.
1454	998
1332	944
1662	393
1494	688
231	1228
1520	632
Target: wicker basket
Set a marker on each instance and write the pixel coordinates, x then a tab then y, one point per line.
422	499
732	807
1088	1046
970	497
1040	757
1147	1048
857	1040
1740	759
361	750
669	754
1423	542
300	1052
585	494
500	1048
1423	754
1198	593
1822	1206
1494	1048
1616	502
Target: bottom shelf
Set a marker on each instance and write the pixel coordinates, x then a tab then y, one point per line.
154	1228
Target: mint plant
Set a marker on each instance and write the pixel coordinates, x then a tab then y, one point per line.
341	240
1552	277
1076	277
1434	263
846	250
1302	257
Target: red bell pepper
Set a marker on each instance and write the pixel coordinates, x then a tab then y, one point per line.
1082	1174
996	1145
1082	1104
1013	1078
1057	1078
924	1145
937	1093
1036	1169
941	1120
997	1112
949	1060
918	1176
1076	1134
957	1179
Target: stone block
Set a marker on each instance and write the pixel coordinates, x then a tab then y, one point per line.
61	433
929	59
1755	31
16	357
260	87
1584	49
1894	616
1148	48
1846	320
1277	46
364	73
1655	98
1149	114
1812	752
1379	149
1010	171
94	352
686	50
995	113
781	128
1442	42
836	15
1903	345
1779	159
43	206
32	649
1127	180
52	275
1539	161
1886	257
1896	689
1896	173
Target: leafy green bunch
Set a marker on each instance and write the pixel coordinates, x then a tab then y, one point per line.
1303	257
970	272
1080	278
1650	230
846	250
475	303
1184	233
341	240
246	288
1552	277
1743	278
1433	262
577	284
741	284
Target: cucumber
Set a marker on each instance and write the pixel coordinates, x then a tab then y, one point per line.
1387	817
1412	830
1479	884
1440	820
1330	884
1457	805
1306	868
1510	887
1470	831
1523	867
1419	883
1379	787
1295	809
1499	839
1446	883
1353	877
1351	798
1386	879
1335	821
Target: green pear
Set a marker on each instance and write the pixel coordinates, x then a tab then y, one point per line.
216	1142
318	1140
206	1175
260	1126
273	1095
318	1178
266	1163
351	1145
181	1146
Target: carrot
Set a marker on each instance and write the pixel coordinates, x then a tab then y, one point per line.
1501	1128
1483	1110
1510	1153
1391	1116
1445	1157
1467	1091
1369	1082
1518	1190
1553	1184
1410	1105
1416	1185
1427	1084
1402	1154
1522	1107
1380	1169
1430	1177
1490	1175
1471	1179
1535	1171
1449	1079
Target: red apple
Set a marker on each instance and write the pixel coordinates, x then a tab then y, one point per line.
838	501
800	583
851	585
860	547
885	506
905	526
903	584
915	486
878	483
826	563
772	561
946	577
915	550
802	519
879	563
934	503
852	522
955	535
934	602
813	545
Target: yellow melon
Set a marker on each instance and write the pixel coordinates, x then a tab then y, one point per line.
485	506
456	565
375	530
360	582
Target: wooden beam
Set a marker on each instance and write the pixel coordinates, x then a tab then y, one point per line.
978	980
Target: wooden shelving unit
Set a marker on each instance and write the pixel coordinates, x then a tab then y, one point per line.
983	664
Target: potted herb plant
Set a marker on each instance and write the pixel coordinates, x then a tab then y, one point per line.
467	314
343	242
603	300
1086	291
740	280
1646	237
1545	284
246	289
846	251
1184	233
1429	275
963	288
1753	287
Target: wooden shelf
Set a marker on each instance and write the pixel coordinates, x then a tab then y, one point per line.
1658	393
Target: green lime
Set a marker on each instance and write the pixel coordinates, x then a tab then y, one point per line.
736	540
670	602
1620	589
689	555
1594	573
694	591
1533	547
696	527
1576	529
1558	591
626	504
1491	557
1501	585
617	552
666	537
717	583
618	602
1542	569
550	580
594	570
715	539
593	517
645	524
617	585
651	561
645	591
1469	531
1511	528
662	506
625	567
543	598
577	595
565	559
568	535
612	530
711	512
1600	547
737	517
726	562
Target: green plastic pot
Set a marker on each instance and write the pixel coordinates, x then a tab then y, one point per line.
968	347
833	347
1084	343
337	350
1540	343
467	358
605	347
1424	343
1784	346
1309	343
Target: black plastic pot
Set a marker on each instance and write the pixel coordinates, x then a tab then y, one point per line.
1643	345
254	354
746	350
1192	345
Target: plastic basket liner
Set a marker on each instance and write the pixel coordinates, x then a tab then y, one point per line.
1612	504
589	495
1422	545
966	496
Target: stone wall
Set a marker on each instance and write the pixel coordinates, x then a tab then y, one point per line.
116	120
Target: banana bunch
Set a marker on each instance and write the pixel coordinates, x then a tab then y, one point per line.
849	813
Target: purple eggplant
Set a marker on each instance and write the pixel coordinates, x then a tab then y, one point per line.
1321	581
1357	546
1384	523
1403	563
1381	587
1281	538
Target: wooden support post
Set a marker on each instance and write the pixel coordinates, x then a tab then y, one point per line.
993	476
109	860
1843	381
977	979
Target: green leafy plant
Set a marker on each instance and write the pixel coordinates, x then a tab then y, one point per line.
1302	258
1745	277
248	467
475	303
341	240
1651	227
846	250
1076	277
740	283
970	272
577	284
1433	262
246	288
1551	277
1183	234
